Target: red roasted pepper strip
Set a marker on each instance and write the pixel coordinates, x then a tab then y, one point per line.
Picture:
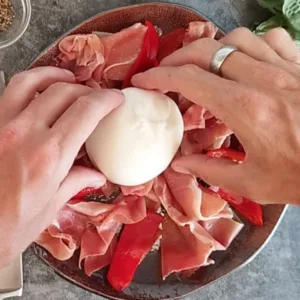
227	153
248	209
135	242
85	192
147	56
170	42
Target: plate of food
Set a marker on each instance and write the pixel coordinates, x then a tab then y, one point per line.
159	234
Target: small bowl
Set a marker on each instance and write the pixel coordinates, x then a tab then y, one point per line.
22	12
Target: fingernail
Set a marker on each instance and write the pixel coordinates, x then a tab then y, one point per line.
117	91
180	169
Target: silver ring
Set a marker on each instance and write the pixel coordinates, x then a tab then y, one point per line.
220	57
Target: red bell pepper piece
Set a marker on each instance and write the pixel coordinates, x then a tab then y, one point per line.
170	42
135	242
85	192
227	153
248	209
147	56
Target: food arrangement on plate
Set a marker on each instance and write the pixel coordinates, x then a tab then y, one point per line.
121	212
145	203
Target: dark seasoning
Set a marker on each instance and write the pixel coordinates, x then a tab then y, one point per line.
6	15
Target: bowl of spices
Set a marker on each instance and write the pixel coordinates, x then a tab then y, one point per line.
14	20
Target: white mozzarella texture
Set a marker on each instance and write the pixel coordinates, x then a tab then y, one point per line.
138	140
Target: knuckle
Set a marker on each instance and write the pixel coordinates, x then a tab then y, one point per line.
240	32
10	135
274	75
188	70
276	33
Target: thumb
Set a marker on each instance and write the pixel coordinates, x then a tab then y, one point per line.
218	172
77	179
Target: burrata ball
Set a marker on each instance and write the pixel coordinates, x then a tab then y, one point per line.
138	140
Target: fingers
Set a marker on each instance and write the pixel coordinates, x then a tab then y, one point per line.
281	42
77	179
223	98
23	87
54	101
214	171
252	45
238	66
81	118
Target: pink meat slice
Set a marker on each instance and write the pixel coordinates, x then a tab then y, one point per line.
121	51
139	190
212	137
223	230
181	250
130	210
97	262
85	51
194	118
152	201
183	103
195	141
195	204
198	30
60	248
91	209
69	222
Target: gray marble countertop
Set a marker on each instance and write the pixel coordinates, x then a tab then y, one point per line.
274	274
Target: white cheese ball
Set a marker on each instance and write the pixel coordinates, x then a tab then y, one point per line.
137	141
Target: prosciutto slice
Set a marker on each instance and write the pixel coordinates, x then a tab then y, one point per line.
199	30
97	262
223	230
181	250
139	190
194	117
60	248
92	57
81	54
197	205
119	59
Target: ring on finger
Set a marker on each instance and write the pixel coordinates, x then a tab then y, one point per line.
219	58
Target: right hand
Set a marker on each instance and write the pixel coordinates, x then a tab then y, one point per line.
258	98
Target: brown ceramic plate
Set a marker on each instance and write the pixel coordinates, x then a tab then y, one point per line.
147	283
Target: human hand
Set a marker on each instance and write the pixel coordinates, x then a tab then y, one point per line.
258	99
40	136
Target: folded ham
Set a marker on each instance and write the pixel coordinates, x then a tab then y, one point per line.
93	57
198	30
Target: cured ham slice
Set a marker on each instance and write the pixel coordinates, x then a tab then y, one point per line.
223	230
212	137
181	250
197	205
61	249
183	104
139	190
91	209
199	30
81	54
97	262
195	141
194	117
119	59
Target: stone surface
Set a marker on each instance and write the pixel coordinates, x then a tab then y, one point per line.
274	274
